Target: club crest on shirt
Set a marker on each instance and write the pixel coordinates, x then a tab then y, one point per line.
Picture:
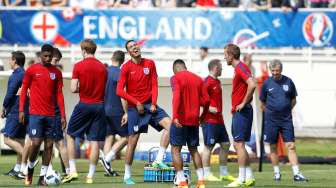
52	76
212	141
146	70
285	87
34	132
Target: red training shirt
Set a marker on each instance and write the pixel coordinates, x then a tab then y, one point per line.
213	87
187	97
140	81
239	85
45	84
92	76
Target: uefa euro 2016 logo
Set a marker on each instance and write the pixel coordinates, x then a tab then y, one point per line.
317	29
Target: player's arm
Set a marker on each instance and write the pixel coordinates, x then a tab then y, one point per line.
124	118
176	100
263	96
27	79
12	88
60	99
251	85
293	95
154	85
74	86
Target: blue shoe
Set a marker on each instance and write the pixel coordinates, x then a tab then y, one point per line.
299	178
129	181
160	165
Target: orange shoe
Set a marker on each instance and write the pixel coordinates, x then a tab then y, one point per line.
183	184
200	184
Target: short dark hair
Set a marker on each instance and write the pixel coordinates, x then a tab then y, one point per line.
47	48
213	63
127	43
89	46
179	62
57	53
19	57
118	56
233	50
204	48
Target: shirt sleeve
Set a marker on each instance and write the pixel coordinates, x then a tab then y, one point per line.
263	92
121	86
205	98
176	96
154	85
60	97
243	72
12	88
27	79
294	91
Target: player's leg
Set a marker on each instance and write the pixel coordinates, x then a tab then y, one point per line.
165	122
271	133
289	139
223	157
95	133
60	145
46	158
106	156
209	143
17	147
78	124
108	143
193	142
177	140
241	132
131	145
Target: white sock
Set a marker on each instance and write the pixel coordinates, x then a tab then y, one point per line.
223	171
17	167
276	169
127	171
72	165
200	174
44	170
23	167
160	155
242	174
31	164
67	171
295	169
249	173
50	167
92	170
180	176
207	171
110	156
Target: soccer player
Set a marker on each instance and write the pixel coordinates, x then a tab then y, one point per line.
278	98
88	79
116	115
45	83
187	100
243	87
58	132
213	127
14	132
138	76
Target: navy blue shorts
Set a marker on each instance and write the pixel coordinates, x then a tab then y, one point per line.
113	126
42	126
89	120
272	129
185	135
214	133
242	124
58	128
14	129
139	123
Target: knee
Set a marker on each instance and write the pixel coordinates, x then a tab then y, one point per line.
291	146
238	145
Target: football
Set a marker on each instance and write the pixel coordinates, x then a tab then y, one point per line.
53	178
188	179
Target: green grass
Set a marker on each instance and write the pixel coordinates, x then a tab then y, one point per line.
319	176
316	147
